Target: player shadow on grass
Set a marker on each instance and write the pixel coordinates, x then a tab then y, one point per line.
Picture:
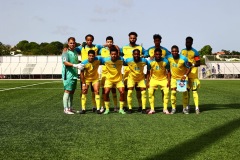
203	107
208	107
190	148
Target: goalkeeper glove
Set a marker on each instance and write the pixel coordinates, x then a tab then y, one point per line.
79	66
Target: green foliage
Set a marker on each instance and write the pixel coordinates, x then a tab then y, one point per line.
33	45
58	46
22	45
43	44
33	48
206	50
228	52
33	126
235	53
4	49
202	61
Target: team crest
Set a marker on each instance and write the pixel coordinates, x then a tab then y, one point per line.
181	84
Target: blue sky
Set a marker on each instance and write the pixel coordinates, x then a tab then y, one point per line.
209	22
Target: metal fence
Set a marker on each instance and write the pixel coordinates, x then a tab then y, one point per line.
222	66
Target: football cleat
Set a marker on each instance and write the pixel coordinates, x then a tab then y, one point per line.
66	111
83	112
102	109
71	110
99	112
107	111
166	111
185	111
173	111
197	111
151	112
144	111
121	111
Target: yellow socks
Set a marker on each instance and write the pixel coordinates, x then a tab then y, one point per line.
151	98
195	98
97	99
165	98
129	98
121	104
173	99
144	99
107	104
84	99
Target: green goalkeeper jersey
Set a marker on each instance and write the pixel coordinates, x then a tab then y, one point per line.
69	72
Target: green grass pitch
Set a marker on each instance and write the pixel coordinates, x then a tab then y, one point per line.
33	126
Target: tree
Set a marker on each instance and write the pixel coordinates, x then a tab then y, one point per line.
43	44
4	49
206	50
22	45
51	49
32	45
226	51
58	47
235	53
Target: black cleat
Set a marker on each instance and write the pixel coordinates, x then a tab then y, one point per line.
99	112
83	112
94	109
144	111
139	109
130	111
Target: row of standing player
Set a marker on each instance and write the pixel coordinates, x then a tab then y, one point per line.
191	54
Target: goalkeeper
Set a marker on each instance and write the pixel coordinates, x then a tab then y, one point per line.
70	74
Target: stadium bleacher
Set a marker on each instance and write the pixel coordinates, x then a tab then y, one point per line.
15	66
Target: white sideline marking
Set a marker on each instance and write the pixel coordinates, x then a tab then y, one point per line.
24	86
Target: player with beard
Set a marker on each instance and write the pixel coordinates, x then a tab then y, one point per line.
193	81
159	76
136	77
113	66
179	71
126	52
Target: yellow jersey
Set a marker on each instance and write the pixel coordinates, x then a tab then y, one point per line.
192	56
114	73
158	70
91	69
136	68
178	67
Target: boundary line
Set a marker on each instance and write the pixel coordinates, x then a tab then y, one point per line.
24	86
